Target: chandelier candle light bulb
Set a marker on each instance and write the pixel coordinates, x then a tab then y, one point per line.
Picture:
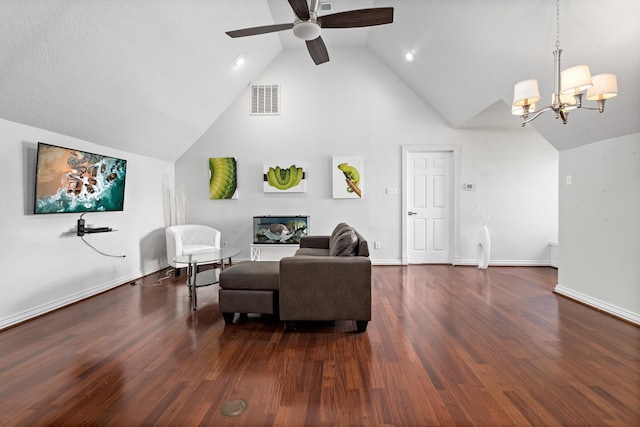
569	86
605	86
526	93
575	80
517	111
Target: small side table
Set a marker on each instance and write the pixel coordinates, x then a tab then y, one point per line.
272	252
205	278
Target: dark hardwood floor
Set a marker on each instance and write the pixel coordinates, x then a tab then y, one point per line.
446	346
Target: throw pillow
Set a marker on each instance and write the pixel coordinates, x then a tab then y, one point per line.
336	233
345	243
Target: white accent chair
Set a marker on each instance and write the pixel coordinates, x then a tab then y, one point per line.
189	238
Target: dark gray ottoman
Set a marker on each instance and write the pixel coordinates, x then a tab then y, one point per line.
250	287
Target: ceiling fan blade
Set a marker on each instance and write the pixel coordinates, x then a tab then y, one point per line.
300	8
357	18
318	51
259	30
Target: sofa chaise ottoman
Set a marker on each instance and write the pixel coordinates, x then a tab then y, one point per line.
249	287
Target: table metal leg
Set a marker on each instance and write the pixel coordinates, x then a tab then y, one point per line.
189	279
192	273
194	285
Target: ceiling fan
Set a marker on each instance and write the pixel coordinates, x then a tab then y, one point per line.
307	25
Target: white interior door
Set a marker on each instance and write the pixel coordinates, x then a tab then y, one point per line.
428	207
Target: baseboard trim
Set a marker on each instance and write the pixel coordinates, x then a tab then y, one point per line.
615	311
32	313
509	263
474	262
386	262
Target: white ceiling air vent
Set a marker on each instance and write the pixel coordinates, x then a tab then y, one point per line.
326	6
265	100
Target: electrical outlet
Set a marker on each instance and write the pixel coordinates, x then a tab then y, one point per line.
224	244
376	245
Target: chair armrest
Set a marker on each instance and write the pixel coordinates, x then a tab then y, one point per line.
325	288
318	242
174	245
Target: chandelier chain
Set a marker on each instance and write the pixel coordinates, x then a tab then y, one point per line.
557	24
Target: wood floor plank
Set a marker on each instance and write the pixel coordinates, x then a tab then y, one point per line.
446	346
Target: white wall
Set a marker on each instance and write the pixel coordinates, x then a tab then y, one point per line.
355	105
600	226
352	105
42	266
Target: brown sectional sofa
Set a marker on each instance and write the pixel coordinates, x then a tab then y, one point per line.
329	278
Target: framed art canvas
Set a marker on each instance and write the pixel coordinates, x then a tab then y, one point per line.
284	177
223	178
346	172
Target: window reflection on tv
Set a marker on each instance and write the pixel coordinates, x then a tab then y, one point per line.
69	180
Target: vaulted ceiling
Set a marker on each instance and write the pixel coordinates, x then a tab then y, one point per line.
151	76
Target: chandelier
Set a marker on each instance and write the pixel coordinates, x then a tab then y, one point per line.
569	86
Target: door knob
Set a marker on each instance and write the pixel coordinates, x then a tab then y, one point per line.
413	213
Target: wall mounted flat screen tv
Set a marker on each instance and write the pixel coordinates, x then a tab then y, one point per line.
73	181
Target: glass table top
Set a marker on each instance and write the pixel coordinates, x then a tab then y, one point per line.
206	256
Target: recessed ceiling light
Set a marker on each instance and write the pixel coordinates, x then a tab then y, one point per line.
239	60
409	56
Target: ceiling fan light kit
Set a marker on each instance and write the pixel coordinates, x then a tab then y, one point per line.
308	25
569	87
306	30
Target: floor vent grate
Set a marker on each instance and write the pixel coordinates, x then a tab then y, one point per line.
234	407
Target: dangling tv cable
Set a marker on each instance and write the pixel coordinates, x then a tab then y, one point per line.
81	230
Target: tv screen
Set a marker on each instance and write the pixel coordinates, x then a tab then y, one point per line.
69	180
